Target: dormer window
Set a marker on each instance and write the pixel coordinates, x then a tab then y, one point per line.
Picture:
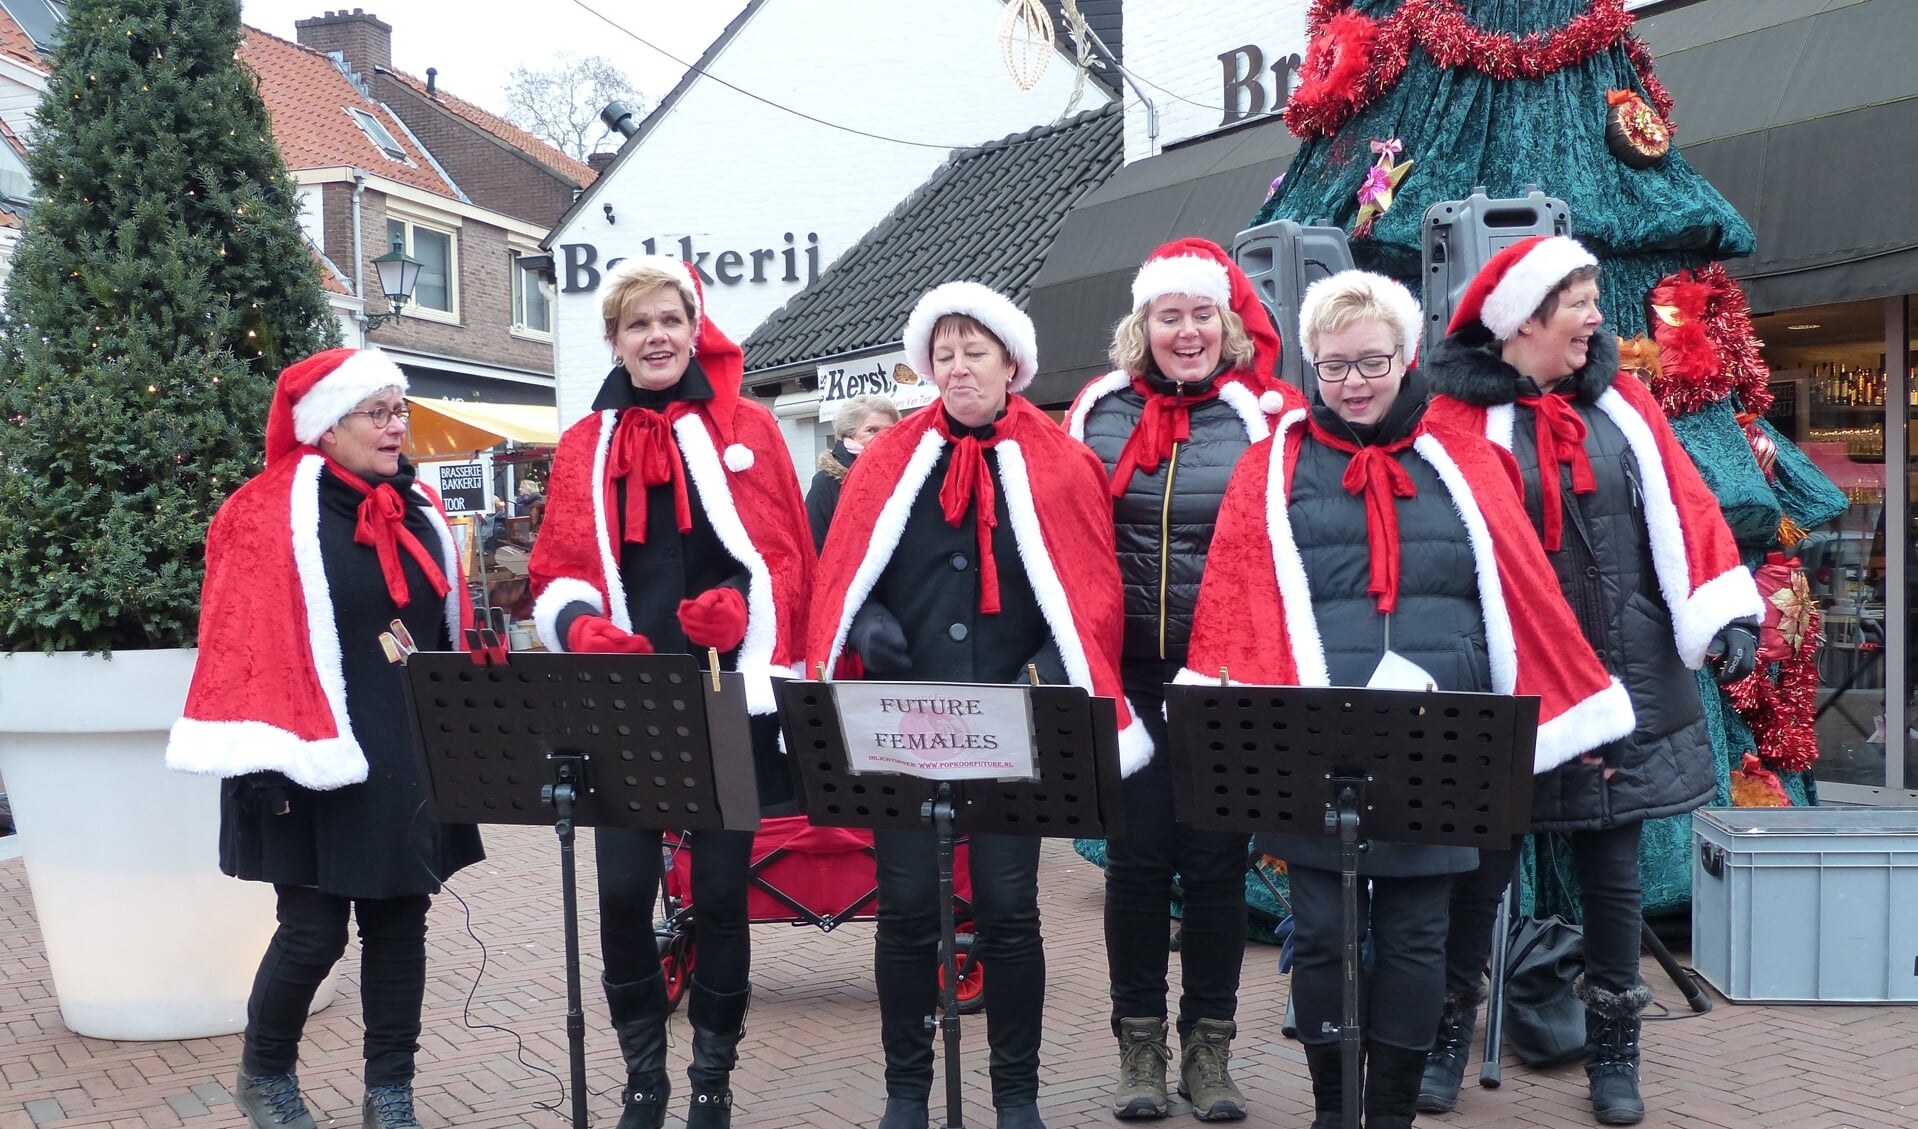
377	134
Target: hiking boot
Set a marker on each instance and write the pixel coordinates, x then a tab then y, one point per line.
1143	1054
388	1107
272	1101
1451	1052
1203	1079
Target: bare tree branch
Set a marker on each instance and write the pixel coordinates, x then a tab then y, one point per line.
561	104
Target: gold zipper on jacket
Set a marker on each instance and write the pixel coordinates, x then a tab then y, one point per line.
1165	541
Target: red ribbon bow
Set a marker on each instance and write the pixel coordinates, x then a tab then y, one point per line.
968	479
1375	473
1561	440
643	454
1165	421
382	526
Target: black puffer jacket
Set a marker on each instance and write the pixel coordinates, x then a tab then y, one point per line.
1605	569
823	498
1164	520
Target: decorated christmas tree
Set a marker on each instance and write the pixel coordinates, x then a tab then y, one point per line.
1407	103
159	286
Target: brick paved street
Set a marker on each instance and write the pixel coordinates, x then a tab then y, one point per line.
811	1057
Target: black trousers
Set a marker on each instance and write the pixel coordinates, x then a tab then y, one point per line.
1140	866
1005	918
309	942
1611	903
1399	999
629	865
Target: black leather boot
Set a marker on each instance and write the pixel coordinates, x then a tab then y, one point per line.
639	1019
718	1019
1327	1065
1391	1085
1612	1025
1451	1052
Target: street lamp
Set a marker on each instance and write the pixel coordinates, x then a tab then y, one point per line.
399	273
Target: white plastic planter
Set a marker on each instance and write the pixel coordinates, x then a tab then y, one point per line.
145	938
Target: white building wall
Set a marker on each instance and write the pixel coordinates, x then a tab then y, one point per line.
731	174
1175	49
20	90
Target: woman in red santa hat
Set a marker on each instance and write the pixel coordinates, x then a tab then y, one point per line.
296	702
971	540
673	524
1304	585
1642	552
1193	389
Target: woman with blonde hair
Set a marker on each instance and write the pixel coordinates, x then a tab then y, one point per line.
857	423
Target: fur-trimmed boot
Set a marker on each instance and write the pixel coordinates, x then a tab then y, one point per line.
639	1019
1451	1052
1326	1063
718	1019
1612	1024
1391	1085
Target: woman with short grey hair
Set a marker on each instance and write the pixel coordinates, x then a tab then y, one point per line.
858	421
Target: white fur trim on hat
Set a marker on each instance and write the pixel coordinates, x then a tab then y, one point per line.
1192	275
676	269
340	391
986	306
1528	281
1407	318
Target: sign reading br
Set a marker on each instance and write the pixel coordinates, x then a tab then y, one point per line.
580	265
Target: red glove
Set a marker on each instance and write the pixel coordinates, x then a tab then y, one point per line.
715	618
595	634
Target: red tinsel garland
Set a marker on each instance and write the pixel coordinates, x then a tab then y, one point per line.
1329	93
1780	714
1711	310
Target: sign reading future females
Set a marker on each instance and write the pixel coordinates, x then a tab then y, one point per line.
463	487
889	376
936	731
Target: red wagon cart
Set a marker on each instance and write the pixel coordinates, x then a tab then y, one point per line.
800	874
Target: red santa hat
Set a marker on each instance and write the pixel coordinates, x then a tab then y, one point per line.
719	358
1401	309
316	393
1200	268
1515	281
984	305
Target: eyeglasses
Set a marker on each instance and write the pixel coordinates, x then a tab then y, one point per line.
1373	367
380	417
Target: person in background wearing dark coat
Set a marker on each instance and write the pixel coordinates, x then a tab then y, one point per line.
857	423
1358	546
1642	552
973	540
1193	389
674	524
297	701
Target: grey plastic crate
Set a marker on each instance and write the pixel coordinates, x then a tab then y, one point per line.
1806	905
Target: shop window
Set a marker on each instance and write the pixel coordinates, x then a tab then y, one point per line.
436	291
532	301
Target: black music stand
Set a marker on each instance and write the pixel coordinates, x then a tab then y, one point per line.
1075	794
640	741
1449	769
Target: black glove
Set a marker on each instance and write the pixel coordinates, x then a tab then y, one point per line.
266	793
1735	650
880	642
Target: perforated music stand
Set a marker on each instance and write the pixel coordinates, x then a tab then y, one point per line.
1075	795
1448	769
640	741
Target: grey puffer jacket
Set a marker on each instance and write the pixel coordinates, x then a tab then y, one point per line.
1164	520
1604	567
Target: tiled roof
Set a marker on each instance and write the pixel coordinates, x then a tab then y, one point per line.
988	214
16	44
579	172
307	98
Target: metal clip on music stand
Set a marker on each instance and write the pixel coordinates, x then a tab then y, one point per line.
1448	769
639	741
1076	795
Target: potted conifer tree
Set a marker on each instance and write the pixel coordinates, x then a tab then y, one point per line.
159	286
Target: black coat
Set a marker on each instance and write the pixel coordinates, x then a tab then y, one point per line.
373	839
1605	568
1163	522
1438	624
822	498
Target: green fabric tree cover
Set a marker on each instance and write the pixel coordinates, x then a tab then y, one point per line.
160	285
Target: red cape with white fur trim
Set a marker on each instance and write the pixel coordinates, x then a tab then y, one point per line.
1255	617
1257	407
1055	490
1705	583
751	497
269	691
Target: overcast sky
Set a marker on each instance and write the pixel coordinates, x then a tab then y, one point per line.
477	43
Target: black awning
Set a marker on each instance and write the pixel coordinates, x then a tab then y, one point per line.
1808	123
1209	188
445	384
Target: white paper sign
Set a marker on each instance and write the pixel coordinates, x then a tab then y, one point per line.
937	731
